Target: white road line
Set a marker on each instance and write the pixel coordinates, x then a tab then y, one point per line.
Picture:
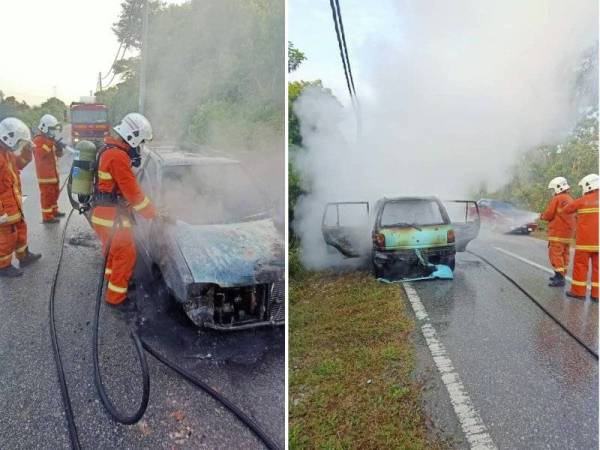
470	421
531	263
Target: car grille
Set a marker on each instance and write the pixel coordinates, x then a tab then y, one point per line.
277	302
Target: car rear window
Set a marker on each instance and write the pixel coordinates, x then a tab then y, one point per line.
411	212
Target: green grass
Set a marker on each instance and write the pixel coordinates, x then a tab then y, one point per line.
351	366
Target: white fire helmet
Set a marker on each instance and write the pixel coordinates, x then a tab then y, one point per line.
559	184
135	129
14	134
589	183
49	125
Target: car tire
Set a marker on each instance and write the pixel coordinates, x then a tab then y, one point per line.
449	261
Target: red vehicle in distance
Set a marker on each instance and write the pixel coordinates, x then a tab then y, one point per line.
89	121
504	217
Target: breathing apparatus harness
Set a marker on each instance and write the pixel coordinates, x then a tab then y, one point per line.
84	204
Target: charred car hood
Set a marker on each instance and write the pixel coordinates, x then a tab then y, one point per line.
239	254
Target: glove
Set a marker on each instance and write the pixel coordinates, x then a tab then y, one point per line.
3	218
60	147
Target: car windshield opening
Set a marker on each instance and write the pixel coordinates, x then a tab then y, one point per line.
89	116
211	194
411	213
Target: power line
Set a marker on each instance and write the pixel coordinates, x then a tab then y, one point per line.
339	39
112	66
339	13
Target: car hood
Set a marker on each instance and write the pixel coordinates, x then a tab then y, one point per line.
230	255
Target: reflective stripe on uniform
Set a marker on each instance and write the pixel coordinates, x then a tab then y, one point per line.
47	180
21	249
107	271
579	283
560	239
587	248
587	210
142	204
45	147
109	223
595	285
47	210
117	289
104	175
4	258
559	269
13	218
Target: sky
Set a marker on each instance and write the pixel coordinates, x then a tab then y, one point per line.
364	26
56	47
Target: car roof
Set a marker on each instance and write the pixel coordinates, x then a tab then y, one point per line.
170	155
399	199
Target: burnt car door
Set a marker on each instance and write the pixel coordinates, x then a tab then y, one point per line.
345	227
464	216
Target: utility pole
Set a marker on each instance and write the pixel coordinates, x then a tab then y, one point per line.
142	93
99	86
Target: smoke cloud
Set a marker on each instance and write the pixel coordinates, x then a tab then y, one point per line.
470	86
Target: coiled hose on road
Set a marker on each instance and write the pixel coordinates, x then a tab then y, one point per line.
140	345
538	304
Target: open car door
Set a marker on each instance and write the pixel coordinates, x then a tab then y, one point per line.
464	215
345	227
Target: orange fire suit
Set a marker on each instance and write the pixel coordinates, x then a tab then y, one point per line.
46	155
561	228
586	242
116	177
13	234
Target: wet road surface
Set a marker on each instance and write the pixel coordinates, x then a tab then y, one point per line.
246	367
533	385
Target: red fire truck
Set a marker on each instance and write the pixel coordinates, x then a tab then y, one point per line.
89	121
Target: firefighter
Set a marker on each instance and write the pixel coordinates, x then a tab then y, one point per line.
48	149
561	227
14	138
117	196
586	238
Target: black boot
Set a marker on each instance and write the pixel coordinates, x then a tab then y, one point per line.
558	281
49	221
578	297
29	259
553	277
10	272
59	214
126	306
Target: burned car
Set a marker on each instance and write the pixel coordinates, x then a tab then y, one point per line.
405	237
220	255
504	217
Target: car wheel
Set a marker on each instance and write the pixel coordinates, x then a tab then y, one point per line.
449	261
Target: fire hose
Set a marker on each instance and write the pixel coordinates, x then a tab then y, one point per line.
140	346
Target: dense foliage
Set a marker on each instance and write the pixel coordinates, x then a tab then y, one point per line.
11	107
215	71
573	159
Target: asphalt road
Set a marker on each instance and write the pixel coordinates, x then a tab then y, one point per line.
247	367
532	384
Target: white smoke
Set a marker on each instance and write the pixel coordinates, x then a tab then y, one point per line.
472	85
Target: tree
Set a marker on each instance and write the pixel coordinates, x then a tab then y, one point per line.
295	57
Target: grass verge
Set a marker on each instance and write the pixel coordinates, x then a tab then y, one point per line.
351	364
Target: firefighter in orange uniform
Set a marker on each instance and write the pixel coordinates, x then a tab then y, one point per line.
586	238
561	228
48	149
117	196
14	137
